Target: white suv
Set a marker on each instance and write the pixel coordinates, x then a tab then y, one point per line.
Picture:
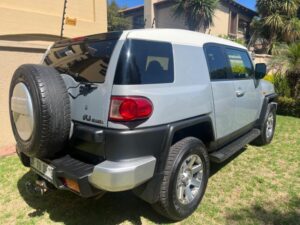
145	110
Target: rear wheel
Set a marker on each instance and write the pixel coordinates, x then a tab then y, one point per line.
185	179
39	111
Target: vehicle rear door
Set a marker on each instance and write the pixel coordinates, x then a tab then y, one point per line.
87	67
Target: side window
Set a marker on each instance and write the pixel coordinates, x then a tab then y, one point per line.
240	64
216	62
145	62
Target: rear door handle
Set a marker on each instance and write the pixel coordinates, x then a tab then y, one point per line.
239	93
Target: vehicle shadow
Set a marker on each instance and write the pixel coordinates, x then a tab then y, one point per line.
264	215
112	208
66	207
216	167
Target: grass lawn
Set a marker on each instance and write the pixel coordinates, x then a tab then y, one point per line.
260	186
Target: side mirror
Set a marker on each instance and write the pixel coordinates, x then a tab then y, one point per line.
260	71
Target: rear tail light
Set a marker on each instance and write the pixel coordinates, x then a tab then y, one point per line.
130	108
72	184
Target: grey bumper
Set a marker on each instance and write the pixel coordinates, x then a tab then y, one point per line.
122	175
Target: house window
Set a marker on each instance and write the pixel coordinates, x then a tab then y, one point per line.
233	23
242	26
138	22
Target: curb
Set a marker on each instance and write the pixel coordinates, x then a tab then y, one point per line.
6	151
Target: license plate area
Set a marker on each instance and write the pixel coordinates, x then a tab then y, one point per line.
42	168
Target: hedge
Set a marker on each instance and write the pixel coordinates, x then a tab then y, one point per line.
288	106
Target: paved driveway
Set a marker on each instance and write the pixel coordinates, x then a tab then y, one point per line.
10	59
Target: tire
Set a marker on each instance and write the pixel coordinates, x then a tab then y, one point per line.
47	111
266	137
25	160
169	204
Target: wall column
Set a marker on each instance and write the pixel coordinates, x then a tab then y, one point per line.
149	14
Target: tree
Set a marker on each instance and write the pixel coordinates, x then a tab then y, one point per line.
287	59
198	14
277	22
115	20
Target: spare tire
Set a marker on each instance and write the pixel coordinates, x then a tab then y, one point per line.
39	111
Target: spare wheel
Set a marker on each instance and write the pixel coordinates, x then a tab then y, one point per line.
39	111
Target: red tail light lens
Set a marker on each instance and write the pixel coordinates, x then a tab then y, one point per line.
130	108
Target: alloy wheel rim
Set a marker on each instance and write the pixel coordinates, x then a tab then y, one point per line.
270	126
189	179
22	111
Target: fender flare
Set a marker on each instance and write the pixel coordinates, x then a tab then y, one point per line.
269	101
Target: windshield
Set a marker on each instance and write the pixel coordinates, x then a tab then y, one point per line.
86	60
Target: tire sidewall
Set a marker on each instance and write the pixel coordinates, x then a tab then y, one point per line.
271	110
178	208
29	147
51	111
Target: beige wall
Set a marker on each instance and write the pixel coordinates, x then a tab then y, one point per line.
164	19
44	17
149	12
220	24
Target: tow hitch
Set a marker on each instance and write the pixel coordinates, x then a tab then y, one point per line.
39	187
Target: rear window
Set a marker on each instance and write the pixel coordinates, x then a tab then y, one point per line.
145	62
86	61
216	62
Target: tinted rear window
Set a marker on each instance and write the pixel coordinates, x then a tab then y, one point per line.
145	62
216	62
86	61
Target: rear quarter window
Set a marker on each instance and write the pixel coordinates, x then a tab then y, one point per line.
145	62
216	62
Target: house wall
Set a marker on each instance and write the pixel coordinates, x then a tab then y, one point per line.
149	13
221	21
164	18
44	17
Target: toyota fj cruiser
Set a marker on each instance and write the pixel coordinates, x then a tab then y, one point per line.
141	110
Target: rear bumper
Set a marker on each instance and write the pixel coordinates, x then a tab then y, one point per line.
122	175
91	179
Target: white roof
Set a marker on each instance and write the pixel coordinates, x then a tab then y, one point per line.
179	36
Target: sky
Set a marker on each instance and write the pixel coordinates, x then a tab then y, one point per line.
130	3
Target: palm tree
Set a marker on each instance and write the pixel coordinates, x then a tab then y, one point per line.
291	30
278	21
198	14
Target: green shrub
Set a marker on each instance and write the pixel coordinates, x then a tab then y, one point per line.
270	78
293	79
281	85
288	106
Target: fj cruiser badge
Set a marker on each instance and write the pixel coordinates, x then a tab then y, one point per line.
90	119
